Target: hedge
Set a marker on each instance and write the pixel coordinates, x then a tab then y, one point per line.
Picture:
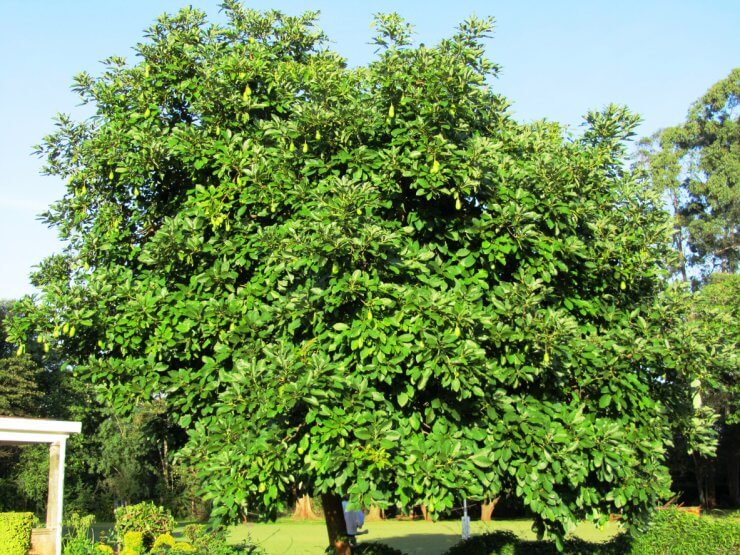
15	533
672	532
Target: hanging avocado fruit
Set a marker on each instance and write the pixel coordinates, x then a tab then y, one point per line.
391	111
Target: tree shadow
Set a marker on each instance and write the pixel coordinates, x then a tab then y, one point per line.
437	544
417	544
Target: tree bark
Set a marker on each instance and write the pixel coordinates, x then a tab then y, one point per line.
733	466
705	481
678	236
335	526
375	513
303	509
712	484
486	509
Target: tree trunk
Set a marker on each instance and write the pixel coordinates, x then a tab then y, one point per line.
425	513
733	466
486	509
303	509
705	481
335	526
712	484
375	513
678	240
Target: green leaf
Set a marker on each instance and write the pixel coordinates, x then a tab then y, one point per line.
403	399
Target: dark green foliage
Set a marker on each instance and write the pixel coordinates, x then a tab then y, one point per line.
20	376
672	532
375	548
146	518
212	540
32	476
506	543
19	389
370	548
494	543
15	533
501	543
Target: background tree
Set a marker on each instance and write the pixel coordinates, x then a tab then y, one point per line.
116	459
19	376
698	164
365	282
20	395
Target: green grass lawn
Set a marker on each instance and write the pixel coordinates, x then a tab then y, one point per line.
413	537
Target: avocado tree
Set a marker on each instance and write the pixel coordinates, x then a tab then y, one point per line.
367	282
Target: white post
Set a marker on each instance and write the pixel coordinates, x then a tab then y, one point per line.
465	521
60	493
55	507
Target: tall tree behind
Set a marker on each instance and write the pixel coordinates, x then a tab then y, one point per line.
697	163
19	376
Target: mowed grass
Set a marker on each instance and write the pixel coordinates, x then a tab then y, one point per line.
413	537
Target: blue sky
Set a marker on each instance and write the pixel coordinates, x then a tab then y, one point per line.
559	60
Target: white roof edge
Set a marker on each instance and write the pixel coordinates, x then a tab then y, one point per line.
39	425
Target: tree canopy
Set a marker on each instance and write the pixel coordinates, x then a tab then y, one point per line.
698	164
369	282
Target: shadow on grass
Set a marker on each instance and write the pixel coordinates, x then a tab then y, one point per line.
501	542
418	544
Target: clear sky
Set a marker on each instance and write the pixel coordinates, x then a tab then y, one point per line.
560	59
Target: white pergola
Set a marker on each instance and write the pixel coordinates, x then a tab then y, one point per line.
54	432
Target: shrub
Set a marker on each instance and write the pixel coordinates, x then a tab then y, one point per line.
183	547
147	518
674	532
78	540
375	548
104	549
506	543
133	542
194	531
15	533
213	542
495	543
162	543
